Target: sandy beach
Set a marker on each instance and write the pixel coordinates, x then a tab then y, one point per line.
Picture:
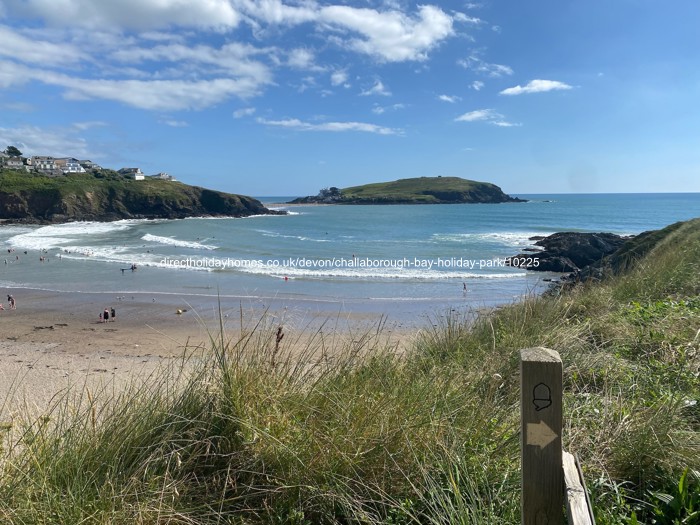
53	340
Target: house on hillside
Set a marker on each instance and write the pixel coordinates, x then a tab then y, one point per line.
41	163
3	156
89	165
162	176
132	173
69	165
15	163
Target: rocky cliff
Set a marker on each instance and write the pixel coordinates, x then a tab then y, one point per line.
84	197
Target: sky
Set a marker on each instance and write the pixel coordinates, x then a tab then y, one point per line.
283	98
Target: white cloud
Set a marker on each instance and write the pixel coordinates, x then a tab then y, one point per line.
486	115
57	142
479	114
160	95
82	126
340	78
231	59
537	86
461	17
11	75
477	85
302	58
274	12
390	36
133	14
377	89
476	64
243	112
505	124
127	50
34	51
449	98
383	109
174	123
330	126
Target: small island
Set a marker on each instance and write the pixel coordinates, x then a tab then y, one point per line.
419	190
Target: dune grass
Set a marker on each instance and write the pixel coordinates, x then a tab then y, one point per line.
352	431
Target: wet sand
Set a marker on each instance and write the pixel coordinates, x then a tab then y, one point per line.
54	341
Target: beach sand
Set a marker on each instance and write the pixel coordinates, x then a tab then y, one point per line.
54	341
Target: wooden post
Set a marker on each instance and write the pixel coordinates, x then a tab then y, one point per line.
541	450
576	502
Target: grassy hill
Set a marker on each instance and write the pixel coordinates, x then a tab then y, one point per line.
107	195
420	190
367	436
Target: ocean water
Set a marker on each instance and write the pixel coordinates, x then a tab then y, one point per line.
398	260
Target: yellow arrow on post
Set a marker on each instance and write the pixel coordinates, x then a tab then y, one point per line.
539	434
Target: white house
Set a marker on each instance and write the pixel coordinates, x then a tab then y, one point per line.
14	163
69	165
133	173
89	165
43	163
162	176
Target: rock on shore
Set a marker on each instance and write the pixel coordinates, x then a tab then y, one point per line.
570	251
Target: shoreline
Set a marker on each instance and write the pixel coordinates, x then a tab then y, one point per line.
54	341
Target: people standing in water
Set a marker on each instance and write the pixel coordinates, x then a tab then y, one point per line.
113	313
105	315
11	302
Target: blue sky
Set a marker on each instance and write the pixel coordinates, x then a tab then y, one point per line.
277	97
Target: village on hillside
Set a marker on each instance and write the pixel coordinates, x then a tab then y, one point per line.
12	158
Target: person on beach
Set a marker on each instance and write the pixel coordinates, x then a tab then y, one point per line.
101	318
105	315
113	313
11	302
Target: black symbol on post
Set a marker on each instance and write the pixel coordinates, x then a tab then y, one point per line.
541	396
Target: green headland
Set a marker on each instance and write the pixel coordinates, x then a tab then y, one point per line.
106	195
419	190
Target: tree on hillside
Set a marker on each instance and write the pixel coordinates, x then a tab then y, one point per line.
13	152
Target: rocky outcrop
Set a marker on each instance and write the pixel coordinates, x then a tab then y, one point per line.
569	251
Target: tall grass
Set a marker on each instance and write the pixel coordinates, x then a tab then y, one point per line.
273	427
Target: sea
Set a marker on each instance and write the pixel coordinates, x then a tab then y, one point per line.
399	261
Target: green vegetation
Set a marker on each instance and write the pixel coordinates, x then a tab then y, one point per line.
363	434
421	190
108	195
12	151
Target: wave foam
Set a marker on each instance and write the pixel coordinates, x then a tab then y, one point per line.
58	235
176	242
381	273
516	239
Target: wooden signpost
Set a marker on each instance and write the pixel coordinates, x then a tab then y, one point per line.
541	447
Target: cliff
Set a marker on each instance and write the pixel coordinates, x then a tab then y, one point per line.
421	190
35	198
